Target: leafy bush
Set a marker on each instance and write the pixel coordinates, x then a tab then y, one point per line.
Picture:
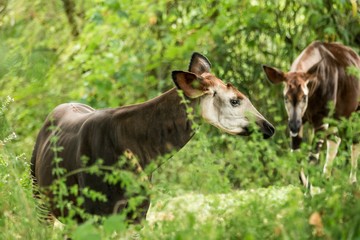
124	54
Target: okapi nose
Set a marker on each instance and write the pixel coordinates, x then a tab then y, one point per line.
267	129
294	125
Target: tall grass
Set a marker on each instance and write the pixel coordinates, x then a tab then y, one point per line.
18	211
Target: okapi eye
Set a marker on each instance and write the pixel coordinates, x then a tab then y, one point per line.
234	102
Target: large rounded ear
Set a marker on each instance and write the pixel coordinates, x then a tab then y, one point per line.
199	64
190	83
274	75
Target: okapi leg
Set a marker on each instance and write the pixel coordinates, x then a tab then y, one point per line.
314	156
303	179
331	151
355	152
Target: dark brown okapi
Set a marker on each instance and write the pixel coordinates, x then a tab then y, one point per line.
146	130
318	76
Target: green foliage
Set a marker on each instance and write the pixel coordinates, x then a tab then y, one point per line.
249	214
18	209
124	54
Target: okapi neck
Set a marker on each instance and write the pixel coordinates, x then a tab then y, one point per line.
154	128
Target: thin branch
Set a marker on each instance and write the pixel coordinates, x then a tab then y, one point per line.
69	7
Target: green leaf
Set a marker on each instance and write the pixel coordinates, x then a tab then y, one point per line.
115	223
86	231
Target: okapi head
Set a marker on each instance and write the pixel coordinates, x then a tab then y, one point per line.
296	93
222	105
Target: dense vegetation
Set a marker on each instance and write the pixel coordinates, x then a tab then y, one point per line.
107	53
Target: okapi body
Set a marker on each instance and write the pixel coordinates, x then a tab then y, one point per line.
318	76
146	130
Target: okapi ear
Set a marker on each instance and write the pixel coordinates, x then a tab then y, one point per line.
199	64
274	75
190	83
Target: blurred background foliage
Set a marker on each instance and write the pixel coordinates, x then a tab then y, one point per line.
108	53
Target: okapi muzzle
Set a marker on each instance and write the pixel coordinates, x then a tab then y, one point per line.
256	122
294	126
267	129
296	104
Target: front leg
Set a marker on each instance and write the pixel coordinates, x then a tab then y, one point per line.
314	157
332	147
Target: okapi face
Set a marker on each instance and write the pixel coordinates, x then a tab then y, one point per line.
295	94
296	100
222	105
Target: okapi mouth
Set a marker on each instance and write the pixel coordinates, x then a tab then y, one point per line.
246	132
293	134
266	128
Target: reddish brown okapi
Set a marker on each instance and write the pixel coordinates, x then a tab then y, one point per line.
319	75
147	130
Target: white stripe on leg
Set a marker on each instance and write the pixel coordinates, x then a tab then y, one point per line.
304	179
331	151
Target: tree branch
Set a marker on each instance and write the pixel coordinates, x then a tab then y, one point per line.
69	7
